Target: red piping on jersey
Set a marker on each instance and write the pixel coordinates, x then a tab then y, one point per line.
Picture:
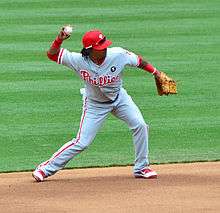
78	136
81	123
60	56
139	61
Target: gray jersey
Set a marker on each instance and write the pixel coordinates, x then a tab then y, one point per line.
103	82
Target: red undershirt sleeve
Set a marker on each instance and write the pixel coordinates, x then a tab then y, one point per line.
148	67
55	45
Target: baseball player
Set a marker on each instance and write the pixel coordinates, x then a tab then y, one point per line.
100	67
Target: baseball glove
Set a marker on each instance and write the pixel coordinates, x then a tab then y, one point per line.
165	85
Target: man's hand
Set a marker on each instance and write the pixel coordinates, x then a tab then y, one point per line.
65	32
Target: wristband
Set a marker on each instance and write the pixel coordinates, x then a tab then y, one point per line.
57	43
150	68
155	70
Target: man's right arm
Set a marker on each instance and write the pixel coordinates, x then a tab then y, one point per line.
54	50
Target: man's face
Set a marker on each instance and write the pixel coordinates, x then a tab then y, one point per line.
98	53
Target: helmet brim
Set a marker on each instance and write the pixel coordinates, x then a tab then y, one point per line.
103	46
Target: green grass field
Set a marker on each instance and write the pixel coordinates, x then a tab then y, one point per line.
40	105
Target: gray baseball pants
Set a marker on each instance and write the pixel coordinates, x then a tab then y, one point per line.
93	116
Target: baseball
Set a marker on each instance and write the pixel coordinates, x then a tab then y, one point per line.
68	30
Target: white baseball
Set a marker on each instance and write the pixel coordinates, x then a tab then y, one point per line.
68	30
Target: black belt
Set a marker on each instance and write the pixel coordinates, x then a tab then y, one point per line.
108	102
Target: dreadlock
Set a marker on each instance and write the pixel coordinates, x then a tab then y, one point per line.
85	52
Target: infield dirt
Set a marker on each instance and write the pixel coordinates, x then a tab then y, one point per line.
193	187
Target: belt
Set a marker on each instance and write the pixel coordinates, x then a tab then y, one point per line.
110	101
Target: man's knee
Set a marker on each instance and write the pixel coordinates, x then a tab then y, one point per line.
140	126
82	145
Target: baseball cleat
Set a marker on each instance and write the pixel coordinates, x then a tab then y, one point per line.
146	173
38	175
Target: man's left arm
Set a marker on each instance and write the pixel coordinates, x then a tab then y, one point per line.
165	85
143	64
